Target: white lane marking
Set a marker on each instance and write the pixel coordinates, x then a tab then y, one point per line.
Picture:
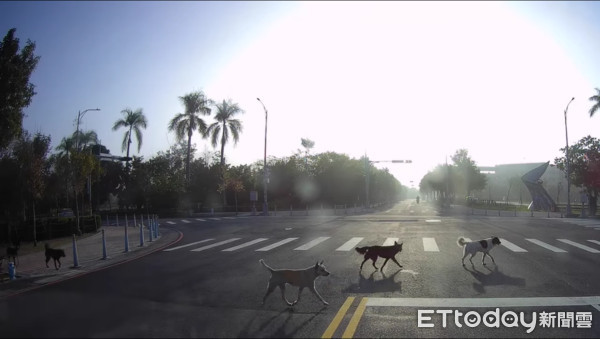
511	246
249	243
433	220
201	219
215	219
429	245
484	302
186	245
311	244
215	245
185	221
546	246
595	242
389	241
583	247
170	222
277	244
350	244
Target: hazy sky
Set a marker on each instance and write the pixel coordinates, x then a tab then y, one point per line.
394	80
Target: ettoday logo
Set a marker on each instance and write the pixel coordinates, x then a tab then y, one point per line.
473	319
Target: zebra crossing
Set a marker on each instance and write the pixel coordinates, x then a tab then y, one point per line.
425	244
188	221
588	223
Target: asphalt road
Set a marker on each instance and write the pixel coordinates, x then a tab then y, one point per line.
210	283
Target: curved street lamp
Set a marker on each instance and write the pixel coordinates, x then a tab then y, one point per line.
567	167
79	116
265	204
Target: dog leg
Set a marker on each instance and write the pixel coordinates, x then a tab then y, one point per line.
270	289
394	259
471	259
385	262
489	255
483	258
314	290
282	288
47	260
374	260
298	297
361	265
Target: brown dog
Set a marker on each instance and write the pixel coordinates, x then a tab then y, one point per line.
374	252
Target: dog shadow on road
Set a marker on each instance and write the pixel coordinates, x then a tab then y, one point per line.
369	284
279	325
492	277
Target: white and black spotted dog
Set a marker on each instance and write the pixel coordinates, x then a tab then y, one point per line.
472	247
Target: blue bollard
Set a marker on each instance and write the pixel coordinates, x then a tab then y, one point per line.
103	246
75	260
141	236
126	235
12	271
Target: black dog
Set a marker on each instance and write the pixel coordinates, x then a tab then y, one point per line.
54	253
374	252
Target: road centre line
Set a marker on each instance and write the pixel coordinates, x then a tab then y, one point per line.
186	245
351	328
350	244
337	319
215	245
484	302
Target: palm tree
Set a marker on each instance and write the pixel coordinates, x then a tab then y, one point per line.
596	100
225	125
184	124
65	147
133	121
87	139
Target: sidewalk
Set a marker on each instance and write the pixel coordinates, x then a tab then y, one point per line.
31	270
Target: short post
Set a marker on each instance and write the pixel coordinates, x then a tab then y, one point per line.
126	235
142	217
103	246
141	236
157	224
107	222
290	209
117	219
75	260
149	233
134	220
275	213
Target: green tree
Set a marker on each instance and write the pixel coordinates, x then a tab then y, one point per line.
596	100
584	168
15	89
133	121
185	124
468	178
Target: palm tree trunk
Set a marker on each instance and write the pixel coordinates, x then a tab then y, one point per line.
187	161
223	165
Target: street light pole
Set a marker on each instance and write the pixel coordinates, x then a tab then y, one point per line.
567	167
80	114
265	204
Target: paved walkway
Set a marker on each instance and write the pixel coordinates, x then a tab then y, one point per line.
31	270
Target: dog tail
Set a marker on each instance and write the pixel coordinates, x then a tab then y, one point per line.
265	265
461	242
362	250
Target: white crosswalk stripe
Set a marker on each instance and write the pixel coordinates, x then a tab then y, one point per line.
311	244
185	221
546	246
170	223
249	243
595	242
429	245
187	245
350	244
277	244
583	247
201	219
511	246
390	241
215	245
